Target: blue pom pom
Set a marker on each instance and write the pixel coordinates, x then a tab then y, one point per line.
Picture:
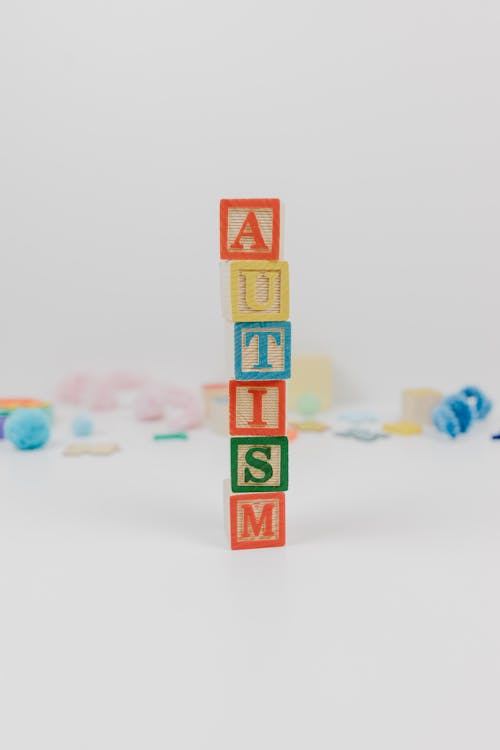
478	401
462	411
456	413
445	420
27	428
82	426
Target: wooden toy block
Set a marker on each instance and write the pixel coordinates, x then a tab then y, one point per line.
255	290
256	520
218	419
262	350
257	407
250	229
417	404
212	392
312	375
259	463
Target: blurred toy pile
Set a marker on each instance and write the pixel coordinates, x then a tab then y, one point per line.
27	422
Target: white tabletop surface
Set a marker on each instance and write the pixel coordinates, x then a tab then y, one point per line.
126	622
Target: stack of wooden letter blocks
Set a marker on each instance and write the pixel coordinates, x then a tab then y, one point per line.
255	298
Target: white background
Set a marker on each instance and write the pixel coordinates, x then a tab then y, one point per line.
377	124
125	622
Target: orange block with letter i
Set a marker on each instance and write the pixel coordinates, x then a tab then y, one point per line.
257	407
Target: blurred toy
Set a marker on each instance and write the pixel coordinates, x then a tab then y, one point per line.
212	391
171	436
91	449
218	416
417	405
452	416
3	417
216	402
27	428
125	380
187	409
478	401
357	417
456	413
403	428
101	396
311	378
365	435
9	405
82	426
150	402
310	426
73	388
496	437
99	393
308	404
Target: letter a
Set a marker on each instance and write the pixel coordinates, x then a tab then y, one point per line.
250	228
259	527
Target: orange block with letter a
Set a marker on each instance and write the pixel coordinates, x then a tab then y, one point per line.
257	407
257	520
250	229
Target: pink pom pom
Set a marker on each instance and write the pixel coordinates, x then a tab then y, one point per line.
122	380
190	410
150	402
187	420
74	388
102	397
177	396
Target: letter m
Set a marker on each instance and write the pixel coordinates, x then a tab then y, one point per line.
257	527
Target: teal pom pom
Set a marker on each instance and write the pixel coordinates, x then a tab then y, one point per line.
82	426
308	404
27	428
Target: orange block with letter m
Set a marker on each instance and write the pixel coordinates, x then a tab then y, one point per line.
257	520
250	229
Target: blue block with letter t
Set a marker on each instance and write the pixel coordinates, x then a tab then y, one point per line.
262	350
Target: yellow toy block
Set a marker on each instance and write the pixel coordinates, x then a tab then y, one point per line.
311	376
417	404
255	290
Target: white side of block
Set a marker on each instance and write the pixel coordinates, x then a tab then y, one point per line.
282	231
229	349
225	289
227	524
